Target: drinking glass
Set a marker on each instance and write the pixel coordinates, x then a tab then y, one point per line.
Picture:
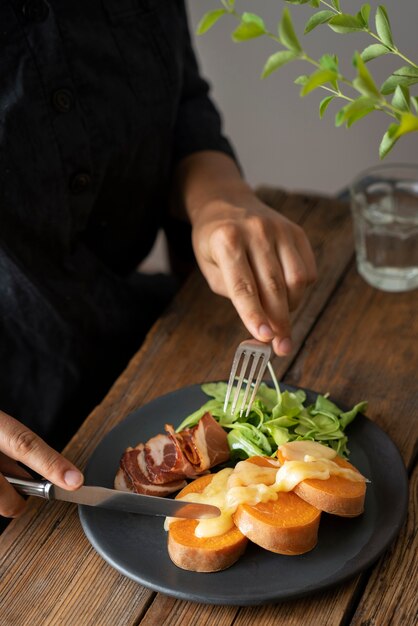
384	205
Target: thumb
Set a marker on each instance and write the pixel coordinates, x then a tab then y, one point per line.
22	444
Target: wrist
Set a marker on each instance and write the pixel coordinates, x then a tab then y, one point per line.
209	180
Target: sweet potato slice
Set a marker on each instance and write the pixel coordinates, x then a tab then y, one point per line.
336	495
288	525
209	554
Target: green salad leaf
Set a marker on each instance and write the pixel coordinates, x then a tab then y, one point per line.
276	417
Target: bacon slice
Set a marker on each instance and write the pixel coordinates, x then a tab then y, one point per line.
161	460
183	463
205	445
136	480
160	466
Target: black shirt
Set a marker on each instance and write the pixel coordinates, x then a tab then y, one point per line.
99	101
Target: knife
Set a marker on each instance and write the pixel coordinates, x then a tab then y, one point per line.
102	497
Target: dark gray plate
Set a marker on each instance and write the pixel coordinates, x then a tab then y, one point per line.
136	545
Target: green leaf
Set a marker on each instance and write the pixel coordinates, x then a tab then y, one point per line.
364	82
407	70
383	26
344	23
405	75
365	13
329	62
287	33
374	51
291	404
414	101
215	390
401	98
297	1
208	20
242	446
388	141
314	3
325	406
267	395
336	4
318	18
324	105
355	110
280	435
247	30
252	18
193	418
276	60
347	417
301	80
408	124
318	78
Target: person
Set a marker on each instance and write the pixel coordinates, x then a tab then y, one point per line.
107	131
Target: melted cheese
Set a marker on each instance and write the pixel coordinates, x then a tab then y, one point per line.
293	472
299	450
249	483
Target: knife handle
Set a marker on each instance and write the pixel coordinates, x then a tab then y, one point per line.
31	487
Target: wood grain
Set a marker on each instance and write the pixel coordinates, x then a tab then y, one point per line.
391	595
367	352
347	337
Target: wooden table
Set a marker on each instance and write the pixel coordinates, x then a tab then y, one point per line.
348	336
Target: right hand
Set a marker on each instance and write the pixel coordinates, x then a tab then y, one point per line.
18	443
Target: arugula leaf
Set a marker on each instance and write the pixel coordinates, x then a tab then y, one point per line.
241	446
276	417
347	418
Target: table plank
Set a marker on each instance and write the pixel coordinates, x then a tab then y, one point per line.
325	609
367	352
391	595
171	612
46	550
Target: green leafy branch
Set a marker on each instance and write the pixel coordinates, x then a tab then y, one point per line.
360	95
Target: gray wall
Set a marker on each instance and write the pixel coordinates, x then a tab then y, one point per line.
278	135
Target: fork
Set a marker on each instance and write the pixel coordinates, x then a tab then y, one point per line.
250	354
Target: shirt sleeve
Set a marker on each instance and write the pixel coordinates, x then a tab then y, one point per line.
198	125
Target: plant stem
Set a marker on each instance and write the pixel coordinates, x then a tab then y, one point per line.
392	50
383	105
330	7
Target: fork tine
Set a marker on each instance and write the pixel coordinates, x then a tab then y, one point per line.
260	353
260	374
255	362
234	367
247	356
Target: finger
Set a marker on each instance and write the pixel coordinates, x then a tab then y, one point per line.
272	291
11	503
295	274
21	444
11	468
241	288
307	255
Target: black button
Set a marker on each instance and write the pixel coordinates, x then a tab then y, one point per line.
80	182
62	100
35	10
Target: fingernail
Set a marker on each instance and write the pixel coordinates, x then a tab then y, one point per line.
265	332
285	346
73	478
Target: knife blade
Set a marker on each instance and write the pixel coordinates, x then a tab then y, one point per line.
102	497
